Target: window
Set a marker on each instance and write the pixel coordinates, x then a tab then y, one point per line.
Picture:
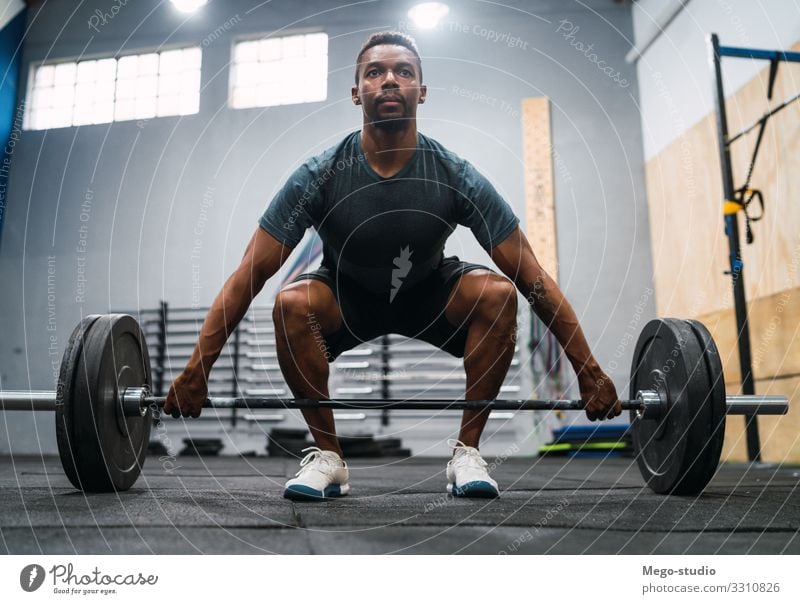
279	71
107	90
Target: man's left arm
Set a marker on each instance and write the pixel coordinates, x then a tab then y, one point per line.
516	259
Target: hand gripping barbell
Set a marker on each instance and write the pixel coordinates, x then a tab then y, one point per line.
104	408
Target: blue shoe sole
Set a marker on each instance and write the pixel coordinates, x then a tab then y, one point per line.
476	488
300	492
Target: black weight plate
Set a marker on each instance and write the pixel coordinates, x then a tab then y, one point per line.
671	451
64	397
715	431
109	449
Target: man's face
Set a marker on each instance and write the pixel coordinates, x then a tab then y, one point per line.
389	87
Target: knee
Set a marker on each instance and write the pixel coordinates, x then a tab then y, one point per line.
292	311
498	302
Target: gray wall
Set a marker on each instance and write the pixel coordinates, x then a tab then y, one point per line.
674	75
140	191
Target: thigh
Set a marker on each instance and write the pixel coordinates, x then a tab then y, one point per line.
358	313
317	299
481	292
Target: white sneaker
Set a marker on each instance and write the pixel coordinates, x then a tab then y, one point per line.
467	475
322	475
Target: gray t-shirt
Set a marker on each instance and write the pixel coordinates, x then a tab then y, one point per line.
370	225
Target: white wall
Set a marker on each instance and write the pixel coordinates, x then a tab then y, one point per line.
675	86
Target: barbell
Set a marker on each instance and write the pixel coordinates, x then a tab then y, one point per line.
104	408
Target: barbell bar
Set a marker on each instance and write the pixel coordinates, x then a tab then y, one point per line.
136	401
104	409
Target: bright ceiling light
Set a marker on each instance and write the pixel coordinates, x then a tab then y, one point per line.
427	15
188	6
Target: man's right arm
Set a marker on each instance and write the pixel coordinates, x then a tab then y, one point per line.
262	259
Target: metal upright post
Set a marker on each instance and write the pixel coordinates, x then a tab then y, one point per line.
736	264
385	377
161	348
237	343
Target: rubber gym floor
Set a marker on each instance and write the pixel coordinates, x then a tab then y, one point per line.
225	505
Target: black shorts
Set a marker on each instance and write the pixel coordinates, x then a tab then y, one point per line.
416	312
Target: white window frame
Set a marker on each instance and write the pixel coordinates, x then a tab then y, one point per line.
270	78
175	93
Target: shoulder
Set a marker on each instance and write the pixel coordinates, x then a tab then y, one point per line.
462	172
451	161
323	163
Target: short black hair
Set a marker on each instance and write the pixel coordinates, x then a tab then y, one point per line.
389	37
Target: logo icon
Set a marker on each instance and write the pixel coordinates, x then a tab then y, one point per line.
403	266
31	577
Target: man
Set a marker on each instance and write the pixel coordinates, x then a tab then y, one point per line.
384	200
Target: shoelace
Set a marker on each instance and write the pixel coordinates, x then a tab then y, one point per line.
470	456
314	457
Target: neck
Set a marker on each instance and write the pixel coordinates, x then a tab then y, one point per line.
386	147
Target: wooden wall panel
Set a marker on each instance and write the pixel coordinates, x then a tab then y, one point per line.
540	214
775	347
779	434
774	336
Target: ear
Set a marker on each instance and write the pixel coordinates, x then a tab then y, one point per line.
354	95
423	93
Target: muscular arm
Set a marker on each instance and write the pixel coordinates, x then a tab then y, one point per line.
516	259
262	259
